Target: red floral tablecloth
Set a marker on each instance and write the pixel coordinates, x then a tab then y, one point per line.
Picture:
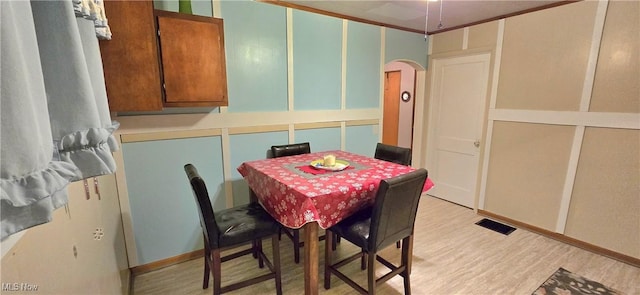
295	197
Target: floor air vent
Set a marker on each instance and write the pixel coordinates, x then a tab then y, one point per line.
496	226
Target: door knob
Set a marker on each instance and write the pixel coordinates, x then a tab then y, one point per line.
476	143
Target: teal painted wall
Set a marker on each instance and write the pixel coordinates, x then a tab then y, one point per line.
317	61
361	139
163	210
363	66
402	45
249	147
320	139
256	56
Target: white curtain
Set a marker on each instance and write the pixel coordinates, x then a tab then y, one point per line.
55	122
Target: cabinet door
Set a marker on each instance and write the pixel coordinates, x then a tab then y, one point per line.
193	60
130	58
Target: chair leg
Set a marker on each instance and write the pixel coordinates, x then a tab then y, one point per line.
407	286
398	244
217	276
409	241
253	198
259	250
363	260
371	273
328	243
407	253
254	247
275	245
207	269
296	245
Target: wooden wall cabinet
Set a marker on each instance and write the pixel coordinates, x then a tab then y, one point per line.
162	59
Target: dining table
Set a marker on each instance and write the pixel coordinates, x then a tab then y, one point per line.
299	192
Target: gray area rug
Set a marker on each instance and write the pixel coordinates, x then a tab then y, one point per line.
563	282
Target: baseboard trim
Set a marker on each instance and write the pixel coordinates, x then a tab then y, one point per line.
140	269
565	239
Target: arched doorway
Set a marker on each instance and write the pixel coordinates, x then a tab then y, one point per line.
402	119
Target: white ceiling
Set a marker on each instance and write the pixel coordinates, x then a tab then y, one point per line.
410	14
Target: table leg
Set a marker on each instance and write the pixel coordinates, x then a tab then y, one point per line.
311	258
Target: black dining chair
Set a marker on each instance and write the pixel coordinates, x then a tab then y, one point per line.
290	149
284	151
394	154
391	218
230	228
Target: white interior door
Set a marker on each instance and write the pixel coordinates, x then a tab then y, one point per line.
459	91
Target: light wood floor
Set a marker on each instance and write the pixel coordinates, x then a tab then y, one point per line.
452	255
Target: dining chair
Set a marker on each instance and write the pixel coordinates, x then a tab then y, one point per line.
284	151
394	154
230	228
290	149
391	218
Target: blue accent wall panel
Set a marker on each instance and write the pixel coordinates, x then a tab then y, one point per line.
255	36
320	139
361	139
317	61
406	46
163	210
363	66
249	147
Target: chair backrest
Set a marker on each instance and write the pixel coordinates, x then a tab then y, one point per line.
395	208
395	154
290	149
205	210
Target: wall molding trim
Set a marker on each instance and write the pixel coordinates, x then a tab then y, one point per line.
125	138
194	122
305	126
495	77
571	118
